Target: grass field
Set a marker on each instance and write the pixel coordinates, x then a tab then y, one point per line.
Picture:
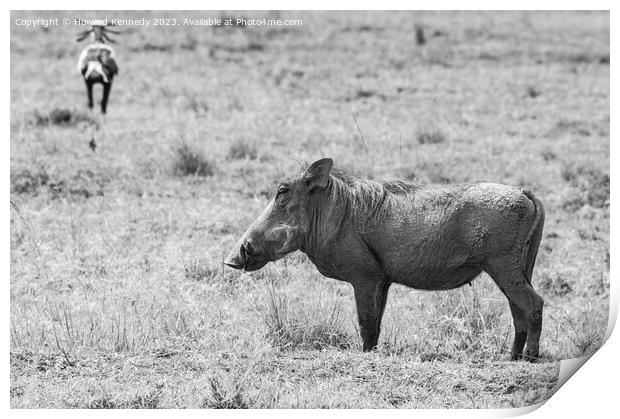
119	297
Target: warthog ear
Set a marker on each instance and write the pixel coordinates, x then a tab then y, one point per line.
317	175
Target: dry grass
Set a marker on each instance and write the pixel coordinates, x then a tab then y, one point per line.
119	297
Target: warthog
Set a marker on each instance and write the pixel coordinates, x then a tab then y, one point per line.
374	233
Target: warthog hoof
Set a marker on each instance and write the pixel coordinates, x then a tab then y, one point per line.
529	356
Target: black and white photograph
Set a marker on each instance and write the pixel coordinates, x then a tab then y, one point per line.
287	209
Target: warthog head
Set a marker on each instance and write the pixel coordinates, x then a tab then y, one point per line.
281	227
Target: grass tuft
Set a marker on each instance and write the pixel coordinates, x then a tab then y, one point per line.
548	155
199	270
242	149
582	332
224	398
420	39
319	327
554	283
533	92
28	181
430	136
197	105
592	184
61	117
102	403
191	161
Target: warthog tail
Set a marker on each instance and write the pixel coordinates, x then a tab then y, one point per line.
530	249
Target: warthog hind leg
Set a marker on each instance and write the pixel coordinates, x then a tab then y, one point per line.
520	325
526	307
370	299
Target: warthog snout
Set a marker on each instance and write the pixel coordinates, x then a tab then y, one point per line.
246	257
237	260
271	236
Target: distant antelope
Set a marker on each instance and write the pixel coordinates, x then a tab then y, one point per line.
96	63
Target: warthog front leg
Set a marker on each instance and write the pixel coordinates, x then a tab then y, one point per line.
370	299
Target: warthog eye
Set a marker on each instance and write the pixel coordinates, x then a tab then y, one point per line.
283	189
